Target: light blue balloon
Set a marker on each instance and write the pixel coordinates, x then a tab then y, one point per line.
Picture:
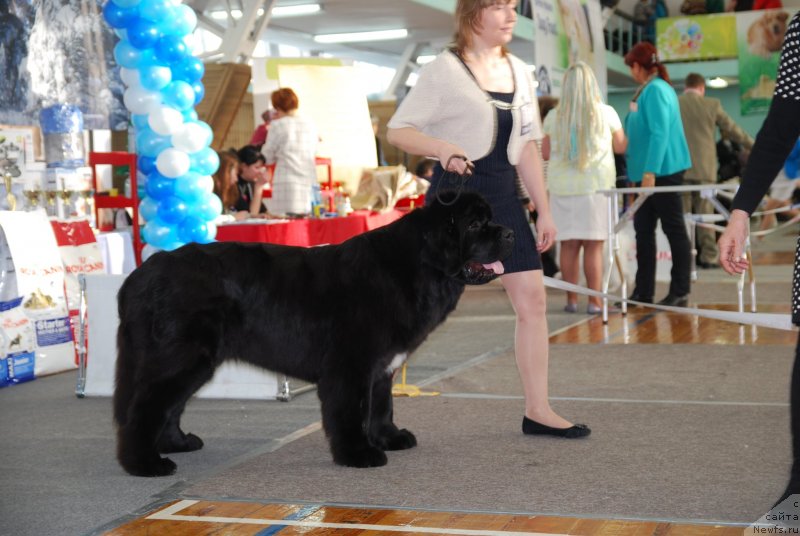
172	210
189	115
148	143
159	234
156	10
147	58
179	95
171	49
209	208
190	188
127	55
155	77
148	208
127	3
140	122
183	21
189	70
204	161
199	92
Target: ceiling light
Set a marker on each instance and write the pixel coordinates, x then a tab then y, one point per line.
296	10
380	35
223	15
426	58
718	83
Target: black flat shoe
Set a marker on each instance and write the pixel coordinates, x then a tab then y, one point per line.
531	427
675	301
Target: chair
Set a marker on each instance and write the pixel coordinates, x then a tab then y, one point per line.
118	158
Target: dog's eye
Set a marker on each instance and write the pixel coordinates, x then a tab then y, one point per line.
475	226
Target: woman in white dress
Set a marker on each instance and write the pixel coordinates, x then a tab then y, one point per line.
292	147
581	136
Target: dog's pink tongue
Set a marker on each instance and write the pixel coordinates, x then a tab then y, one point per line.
497	267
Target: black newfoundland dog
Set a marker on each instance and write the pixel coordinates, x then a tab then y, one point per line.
343	317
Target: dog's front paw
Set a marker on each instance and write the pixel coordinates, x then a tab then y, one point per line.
367	456
187	443
397	440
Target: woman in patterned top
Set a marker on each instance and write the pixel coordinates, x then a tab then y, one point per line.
292	147
774	142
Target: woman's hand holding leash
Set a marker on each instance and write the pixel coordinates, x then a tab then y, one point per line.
545	232
732	256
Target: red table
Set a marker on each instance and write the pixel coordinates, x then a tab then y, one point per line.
308	232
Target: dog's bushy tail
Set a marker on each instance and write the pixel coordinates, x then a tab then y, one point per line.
125	376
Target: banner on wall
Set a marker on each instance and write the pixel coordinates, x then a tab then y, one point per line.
567	31
696	38
759	39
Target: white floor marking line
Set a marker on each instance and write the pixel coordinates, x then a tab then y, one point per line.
171	514
620	400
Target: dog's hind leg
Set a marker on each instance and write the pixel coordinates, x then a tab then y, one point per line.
382	431
172	438
345	405
155	404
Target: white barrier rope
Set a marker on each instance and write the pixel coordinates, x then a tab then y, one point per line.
753	233
766	320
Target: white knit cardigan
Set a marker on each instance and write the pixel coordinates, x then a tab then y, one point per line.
446	103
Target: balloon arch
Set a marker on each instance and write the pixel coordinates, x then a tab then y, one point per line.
163	85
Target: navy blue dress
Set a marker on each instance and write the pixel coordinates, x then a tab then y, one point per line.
494	177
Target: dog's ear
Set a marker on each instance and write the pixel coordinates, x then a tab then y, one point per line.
782	16
442	247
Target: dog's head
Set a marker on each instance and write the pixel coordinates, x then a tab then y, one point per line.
461	240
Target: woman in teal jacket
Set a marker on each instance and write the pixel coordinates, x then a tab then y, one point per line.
657	155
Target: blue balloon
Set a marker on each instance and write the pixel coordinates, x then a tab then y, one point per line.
172	209
159	186
159	234
205	161
118	16
189	187
791	169
171	49
142	33
146	164
149	143
155	77
179	95
127	3
141	184
193	229
148	208
189	115
189	70
199	92
127	55
148	59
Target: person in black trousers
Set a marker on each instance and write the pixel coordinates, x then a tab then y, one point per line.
774	142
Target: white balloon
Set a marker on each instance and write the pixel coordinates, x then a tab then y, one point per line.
172	163
207	183
130	77
191	138
165	121
140	101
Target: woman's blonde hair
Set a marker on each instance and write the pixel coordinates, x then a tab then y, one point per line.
468	15
580	123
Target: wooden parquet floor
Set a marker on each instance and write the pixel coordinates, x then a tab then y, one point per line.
239	518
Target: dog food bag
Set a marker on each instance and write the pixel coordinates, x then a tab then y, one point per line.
35	327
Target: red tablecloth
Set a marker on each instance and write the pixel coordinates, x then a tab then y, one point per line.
307	232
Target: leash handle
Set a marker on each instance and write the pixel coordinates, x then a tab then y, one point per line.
455	181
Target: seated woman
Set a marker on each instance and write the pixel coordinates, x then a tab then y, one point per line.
239	182
292	147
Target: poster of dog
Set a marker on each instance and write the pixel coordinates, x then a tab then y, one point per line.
760	37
